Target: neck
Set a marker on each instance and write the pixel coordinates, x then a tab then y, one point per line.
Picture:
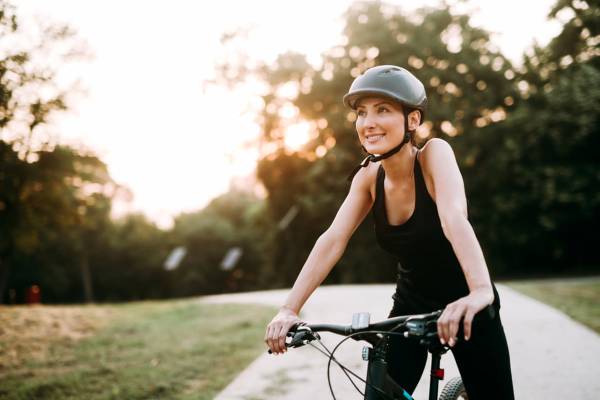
399	167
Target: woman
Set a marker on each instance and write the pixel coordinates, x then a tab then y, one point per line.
420	211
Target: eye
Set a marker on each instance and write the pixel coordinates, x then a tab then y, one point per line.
361	113
382	109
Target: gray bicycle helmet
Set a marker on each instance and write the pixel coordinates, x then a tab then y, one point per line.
392	82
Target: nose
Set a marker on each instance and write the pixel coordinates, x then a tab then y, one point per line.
369	121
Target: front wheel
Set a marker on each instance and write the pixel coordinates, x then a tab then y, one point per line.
454	390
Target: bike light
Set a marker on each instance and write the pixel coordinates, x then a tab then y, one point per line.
361	320
438	373
366	351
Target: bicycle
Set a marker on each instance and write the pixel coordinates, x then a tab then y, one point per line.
379	385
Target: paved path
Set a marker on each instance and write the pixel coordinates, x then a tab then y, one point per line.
552	356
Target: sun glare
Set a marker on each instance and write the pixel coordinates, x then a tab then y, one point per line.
174	136
297	135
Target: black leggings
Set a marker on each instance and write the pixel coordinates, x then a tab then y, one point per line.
483	361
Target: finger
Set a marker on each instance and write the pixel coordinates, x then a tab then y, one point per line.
274	338
267	333
281	339
441	326
468	323
453	324
270	341
450	315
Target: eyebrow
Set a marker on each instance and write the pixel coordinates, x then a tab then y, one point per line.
376	104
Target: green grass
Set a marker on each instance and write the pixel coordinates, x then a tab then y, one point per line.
149	350
579	298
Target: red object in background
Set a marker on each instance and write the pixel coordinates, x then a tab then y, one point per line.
33	295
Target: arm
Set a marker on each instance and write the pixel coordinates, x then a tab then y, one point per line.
327	250
440	164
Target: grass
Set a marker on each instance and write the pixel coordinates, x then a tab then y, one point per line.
578	298
179	350
146	350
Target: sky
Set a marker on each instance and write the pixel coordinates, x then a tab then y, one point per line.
151	111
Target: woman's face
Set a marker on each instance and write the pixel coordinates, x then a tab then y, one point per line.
379	124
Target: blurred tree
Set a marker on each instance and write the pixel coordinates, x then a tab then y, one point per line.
29	89
539	211
577	43
52	212
53	199
129	265
235	219
469	84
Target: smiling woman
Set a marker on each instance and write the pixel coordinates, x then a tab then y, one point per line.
418	202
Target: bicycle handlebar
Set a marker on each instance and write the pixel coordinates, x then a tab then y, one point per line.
387	325
423	326
419	325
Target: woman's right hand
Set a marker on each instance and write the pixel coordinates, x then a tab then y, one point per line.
278	329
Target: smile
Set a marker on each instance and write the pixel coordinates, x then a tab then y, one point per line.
374	138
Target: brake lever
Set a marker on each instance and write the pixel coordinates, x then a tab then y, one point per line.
414	328
301	335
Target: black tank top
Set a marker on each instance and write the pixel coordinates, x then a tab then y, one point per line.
429	274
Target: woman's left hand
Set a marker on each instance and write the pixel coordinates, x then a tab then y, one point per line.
463	309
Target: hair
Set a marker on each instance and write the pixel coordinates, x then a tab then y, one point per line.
413	141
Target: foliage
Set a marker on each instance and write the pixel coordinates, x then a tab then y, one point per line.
469	85
544	193
540	207
29	89
524	137
128	265
235	219
51	210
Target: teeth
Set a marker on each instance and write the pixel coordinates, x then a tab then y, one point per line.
374	138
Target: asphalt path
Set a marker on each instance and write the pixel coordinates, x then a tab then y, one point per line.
552	356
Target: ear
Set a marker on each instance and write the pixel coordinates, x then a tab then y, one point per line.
414	120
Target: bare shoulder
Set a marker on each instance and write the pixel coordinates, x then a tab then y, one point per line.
364	180
436	147
437	154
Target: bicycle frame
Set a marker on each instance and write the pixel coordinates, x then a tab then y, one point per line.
377	376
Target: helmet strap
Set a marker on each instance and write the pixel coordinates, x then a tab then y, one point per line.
379	157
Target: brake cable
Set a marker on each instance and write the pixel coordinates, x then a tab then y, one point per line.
346	370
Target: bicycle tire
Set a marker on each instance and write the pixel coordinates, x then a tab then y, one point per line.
454	390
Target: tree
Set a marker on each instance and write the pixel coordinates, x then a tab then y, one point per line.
128	264
52	198
538	211
235	219
52	211
469	84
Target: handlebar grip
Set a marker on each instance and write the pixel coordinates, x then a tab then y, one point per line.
290	333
